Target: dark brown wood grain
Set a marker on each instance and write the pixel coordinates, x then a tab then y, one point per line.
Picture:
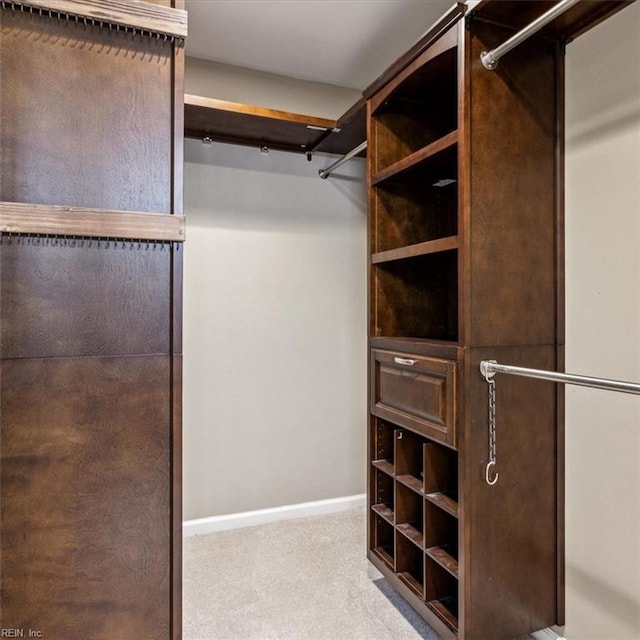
513	179
414	211
518	514
417	298
86	477
83	298
420	396
90	384
85	116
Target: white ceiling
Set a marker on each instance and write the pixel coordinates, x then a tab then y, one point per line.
347	43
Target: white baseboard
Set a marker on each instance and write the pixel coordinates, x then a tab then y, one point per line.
262	516
546	634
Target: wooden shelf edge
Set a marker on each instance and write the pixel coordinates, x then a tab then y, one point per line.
384	512
449	350
443	559
411	482
444	502
385	466
384	556
409	162
18	217
412	534
443	614
139	15
191	100
412	583
416	250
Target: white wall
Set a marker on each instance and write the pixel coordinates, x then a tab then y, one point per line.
268	90
274	330
603	330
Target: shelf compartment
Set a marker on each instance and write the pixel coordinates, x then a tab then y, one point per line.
417	297
410	565
440	469
382	445
421	110
416	250
441	593
409	460
410	514
447	611
384	466
444	502
436	161
417	205
383	498
384	511
382	543
444	557
441	538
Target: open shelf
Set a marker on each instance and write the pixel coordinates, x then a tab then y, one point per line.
441	593
382	442
239	123
447	611
410	514
382	543
421	110
417	297
445	558
410	565
384	466
433	162
444	502
409	462
384	496
417	205
416	250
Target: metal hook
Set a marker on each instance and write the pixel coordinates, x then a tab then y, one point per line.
488	471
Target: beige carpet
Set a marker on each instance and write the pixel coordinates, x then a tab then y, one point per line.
305	579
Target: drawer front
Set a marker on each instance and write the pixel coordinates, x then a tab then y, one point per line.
416	392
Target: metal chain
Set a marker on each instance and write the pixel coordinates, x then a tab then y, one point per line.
492	433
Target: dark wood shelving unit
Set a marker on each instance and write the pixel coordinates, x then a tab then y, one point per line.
465	239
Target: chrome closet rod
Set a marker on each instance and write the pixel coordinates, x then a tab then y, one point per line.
325	173
490	367
490	58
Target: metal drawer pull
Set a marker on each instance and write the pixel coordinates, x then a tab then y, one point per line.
406	361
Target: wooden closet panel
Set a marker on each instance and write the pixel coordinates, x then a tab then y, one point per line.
84	297
86	516
510	529
85	115
512	221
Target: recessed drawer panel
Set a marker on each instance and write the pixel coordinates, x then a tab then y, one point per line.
416	392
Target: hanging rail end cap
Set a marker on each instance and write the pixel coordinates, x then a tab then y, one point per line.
323	174
488	60
485	369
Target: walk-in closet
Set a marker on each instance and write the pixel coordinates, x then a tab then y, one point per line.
319	333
